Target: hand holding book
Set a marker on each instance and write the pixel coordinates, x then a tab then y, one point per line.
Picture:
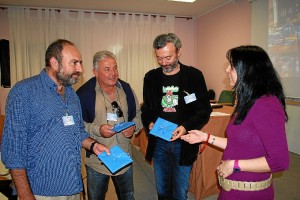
117	159
122	126
163	129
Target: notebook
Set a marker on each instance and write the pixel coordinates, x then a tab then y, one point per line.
116	160
122	125
163	128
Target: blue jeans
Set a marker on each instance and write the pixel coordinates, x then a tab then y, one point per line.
97	184
172	180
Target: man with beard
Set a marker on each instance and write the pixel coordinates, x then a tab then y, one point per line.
177	93
44	131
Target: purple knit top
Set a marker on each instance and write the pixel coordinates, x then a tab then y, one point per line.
262	133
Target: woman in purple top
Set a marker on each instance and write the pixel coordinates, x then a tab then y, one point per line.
256	144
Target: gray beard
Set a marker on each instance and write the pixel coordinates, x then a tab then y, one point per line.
170	69
65	80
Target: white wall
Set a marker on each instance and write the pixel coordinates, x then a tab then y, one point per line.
216	32
185	30
293	128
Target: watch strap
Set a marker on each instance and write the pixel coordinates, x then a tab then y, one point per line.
92	146
236	167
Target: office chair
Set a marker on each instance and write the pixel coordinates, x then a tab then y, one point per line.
227	97
211	94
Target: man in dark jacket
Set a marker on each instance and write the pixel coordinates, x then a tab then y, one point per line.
106	100
177	93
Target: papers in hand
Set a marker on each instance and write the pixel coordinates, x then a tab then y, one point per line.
122	125
163	129
116	160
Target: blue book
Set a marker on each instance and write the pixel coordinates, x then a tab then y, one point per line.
116	160
163	128
122	125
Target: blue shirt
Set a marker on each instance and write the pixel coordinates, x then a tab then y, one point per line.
36	139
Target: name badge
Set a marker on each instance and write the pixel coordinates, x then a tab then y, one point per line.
112	117
68	120
190	98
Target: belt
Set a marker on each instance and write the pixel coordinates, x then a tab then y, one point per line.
227	185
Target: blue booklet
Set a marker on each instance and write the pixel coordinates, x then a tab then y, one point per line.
116	160
122	125
163	129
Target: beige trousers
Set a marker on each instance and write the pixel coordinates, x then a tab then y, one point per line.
72	197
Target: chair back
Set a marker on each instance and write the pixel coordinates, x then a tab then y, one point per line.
227	96
211	94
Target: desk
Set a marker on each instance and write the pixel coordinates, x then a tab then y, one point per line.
203	180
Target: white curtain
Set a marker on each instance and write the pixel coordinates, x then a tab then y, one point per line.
128	35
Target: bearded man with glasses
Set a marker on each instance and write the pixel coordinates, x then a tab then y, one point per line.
106	101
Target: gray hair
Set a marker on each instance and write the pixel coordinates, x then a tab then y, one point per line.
162	40
101	55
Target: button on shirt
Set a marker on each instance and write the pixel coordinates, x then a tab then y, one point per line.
36	139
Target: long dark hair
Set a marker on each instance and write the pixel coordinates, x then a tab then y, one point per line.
256	77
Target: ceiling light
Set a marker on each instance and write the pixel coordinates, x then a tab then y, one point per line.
188	1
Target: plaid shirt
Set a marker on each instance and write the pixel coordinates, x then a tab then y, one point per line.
35	138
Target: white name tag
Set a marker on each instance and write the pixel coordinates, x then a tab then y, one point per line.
190	98
68	120
112	117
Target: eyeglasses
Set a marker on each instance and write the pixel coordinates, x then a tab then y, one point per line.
116	106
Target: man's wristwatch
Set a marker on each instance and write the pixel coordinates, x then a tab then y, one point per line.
236	167
92	146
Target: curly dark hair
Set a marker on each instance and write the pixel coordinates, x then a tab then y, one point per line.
256	77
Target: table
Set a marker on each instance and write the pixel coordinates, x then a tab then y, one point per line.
203	179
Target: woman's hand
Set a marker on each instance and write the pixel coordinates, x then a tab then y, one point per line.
194	136
225	168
